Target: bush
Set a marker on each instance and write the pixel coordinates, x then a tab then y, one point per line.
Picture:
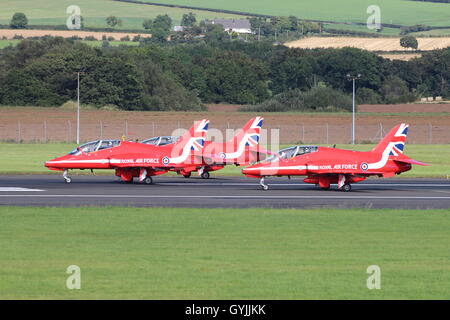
368	96
395	90
316	99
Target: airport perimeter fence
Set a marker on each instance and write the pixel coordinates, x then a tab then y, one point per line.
49	132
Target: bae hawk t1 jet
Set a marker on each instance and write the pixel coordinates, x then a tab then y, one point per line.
132	159
323	166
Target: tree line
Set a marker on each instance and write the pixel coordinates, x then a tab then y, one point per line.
212	69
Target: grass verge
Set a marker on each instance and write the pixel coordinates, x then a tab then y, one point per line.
29	158
132	253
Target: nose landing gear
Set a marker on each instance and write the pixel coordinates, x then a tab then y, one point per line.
67	179
264	186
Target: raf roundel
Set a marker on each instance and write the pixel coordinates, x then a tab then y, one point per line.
166	161
222	155
364	166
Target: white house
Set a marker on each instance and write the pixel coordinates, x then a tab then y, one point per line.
234	25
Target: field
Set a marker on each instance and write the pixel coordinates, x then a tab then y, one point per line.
392	11
370	44
33	124
30	158
6	43
11	33
94	12
130	253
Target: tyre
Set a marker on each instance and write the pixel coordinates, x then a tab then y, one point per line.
188	175
265	188
205	175
148	180
67	180
346	188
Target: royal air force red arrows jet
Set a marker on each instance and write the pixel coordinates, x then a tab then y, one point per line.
243	149
324	166
149	158
133	159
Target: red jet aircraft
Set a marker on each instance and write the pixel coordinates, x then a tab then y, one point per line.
241	150
324	166
132	159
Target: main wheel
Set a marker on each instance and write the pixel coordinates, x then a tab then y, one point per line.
148	180
68	180
187	175
346	188
265	187
205	175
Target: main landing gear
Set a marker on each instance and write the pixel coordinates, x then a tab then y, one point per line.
205	175
148	180
264	186
67	179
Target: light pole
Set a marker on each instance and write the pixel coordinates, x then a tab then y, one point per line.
353	78
78	106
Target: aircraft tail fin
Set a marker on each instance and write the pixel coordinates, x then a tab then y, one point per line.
394	141
194	138
250	132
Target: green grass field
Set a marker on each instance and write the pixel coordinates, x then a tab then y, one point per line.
131	253
28	158
392	11
53	12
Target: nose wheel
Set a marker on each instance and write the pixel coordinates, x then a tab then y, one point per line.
264	186
67	179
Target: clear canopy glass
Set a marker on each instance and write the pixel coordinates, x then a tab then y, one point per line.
95	146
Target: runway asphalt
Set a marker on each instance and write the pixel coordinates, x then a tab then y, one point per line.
220	192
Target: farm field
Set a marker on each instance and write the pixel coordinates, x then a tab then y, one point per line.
400	56
94	12
370	44
392	11
34	124
10	33
27	158
97	43
164	253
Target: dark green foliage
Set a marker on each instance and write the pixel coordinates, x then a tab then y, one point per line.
368	96
163	22
315	99
235	78
19	21
335	64
409	42
44	73
175	75
113	21
188	19
395	90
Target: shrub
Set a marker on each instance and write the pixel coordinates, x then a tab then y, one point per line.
315	99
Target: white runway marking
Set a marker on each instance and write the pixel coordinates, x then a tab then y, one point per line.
224	197
300	184
17	189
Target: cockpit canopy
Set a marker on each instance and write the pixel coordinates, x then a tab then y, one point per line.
292	152
161	141
95	146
